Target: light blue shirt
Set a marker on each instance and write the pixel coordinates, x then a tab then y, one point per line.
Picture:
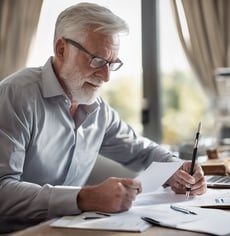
46	155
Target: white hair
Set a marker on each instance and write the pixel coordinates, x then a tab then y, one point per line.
77	20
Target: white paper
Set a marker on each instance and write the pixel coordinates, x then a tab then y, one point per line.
213	221
162	196
167	196
210	221
157	174
156	205
213	198
126	221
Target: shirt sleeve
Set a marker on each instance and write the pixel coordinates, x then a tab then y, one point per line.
122	144
31	202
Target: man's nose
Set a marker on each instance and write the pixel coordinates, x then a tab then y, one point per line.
104	73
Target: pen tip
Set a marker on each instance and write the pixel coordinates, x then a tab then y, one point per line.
187	195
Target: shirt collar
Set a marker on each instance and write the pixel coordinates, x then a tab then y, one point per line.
51	86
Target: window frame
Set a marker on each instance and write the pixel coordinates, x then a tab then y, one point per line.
152	104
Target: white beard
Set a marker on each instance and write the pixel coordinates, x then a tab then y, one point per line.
77	86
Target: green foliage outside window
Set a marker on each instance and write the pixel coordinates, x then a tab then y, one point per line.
124	94
183	104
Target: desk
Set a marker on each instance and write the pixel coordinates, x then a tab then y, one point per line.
44	229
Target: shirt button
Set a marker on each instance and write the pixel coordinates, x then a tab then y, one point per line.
67	102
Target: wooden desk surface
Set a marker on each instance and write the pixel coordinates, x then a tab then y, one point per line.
45	230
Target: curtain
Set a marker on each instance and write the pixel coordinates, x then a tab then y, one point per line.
18	23
206	42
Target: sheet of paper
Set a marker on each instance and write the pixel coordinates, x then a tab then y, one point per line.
156	205
215	198
161	196
213	221
126	221
157	174
210	221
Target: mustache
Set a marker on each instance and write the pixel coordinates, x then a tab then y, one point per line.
94	81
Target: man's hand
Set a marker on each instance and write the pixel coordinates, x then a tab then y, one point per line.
112	195
181	178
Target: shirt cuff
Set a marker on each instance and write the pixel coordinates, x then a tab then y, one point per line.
63	201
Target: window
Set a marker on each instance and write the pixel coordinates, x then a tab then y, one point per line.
183	100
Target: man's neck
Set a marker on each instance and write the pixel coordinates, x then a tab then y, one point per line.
73	108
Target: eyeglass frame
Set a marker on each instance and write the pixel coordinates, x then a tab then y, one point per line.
80	47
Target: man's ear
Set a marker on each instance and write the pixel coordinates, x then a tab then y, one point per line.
60	49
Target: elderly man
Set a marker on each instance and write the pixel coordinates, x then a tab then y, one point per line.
53	125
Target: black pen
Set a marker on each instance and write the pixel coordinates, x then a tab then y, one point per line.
151	220
188	187
93	217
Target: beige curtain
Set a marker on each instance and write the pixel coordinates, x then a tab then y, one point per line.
207	44
18	23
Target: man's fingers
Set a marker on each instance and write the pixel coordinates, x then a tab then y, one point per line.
131	184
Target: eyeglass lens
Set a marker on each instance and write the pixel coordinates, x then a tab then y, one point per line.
98	62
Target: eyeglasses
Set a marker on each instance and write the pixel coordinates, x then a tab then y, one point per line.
96	61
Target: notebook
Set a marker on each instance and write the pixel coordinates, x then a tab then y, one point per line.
218	181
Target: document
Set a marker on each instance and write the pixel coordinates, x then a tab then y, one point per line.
152	178
126	221
156	203
157	174
211	221
213	198
208	219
